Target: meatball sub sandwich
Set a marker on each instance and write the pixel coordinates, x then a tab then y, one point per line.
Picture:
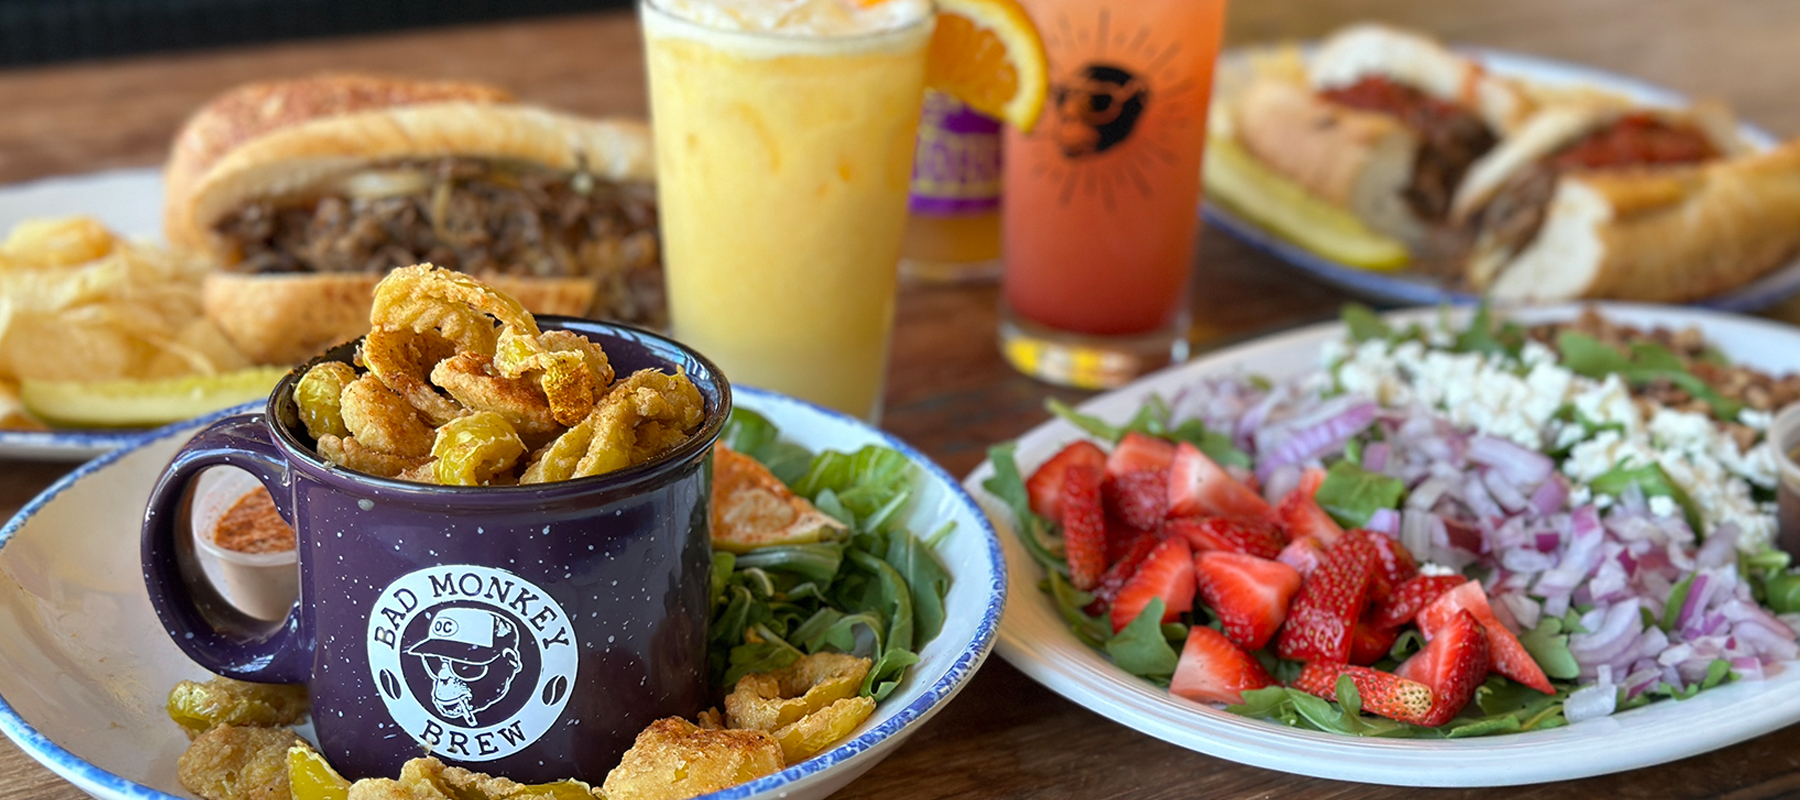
1599	200
1385	125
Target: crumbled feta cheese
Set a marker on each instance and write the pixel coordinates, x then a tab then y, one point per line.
1662	506
1490	395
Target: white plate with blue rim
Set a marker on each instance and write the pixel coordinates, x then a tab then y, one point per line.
85	667
129	201
1410	288
1035	639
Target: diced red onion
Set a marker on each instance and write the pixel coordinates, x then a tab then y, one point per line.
1615	633
1522	466
1375	457
1318	432
1550	496
1280	482
1384	520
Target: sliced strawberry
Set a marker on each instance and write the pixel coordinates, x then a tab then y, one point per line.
1122	539
1140	499
1413	596
1084	526
1213	670
1331	600
1198	486
1454	664
1168	573
1137	452
1382	693
1369	644
1301	516
1045	486
1233	534
1304	555
1131	556
1250	595
1393	564
1510	656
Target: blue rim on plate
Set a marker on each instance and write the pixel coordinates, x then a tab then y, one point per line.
83	774
1405	288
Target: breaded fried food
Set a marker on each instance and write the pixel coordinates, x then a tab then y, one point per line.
808	705
449	398
471	379
769	700
430	779
232	762
674	759
752	508
382	420
199	707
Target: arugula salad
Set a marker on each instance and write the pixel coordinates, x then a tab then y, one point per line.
877	591
1443	531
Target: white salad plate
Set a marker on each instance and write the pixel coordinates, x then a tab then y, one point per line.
1404	288
1034	638
85	667
129	201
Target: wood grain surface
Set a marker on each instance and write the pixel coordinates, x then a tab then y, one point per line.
949	392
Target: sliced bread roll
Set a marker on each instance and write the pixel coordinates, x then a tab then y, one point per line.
1359	160
290	144
1665	235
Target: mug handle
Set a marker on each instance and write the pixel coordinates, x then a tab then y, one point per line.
206	626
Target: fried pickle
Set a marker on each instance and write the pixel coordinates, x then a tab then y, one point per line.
444	347
430	779
674	759
231	762
199	707
383	421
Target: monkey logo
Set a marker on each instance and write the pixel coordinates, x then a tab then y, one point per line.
474	662
1096	109
472	655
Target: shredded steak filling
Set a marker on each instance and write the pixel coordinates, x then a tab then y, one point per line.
1451	138
1517	211
474	215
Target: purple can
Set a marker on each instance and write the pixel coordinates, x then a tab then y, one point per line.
525	631
956	168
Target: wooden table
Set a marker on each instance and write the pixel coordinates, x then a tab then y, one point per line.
949	391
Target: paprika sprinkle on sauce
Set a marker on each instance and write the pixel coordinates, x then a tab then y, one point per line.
252	525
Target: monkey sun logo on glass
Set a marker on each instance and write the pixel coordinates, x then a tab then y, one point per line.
473	662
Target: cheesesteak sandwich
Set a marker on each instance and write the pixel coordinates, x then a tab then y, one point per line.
1385	125
1599	200
308	191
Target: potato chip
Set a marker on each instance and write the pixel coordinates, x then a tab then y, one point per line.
78	303
58	242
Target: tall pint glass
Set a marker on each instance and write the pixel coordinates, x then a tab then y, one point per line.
1102	200
784	147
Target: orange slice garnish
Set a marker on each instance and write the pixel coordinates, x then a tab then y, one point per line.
987	54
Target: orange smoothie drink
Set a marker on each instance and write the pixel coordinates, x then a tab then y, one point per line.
784	145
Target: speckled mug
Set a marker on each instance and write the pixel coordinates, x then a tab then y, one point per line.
527	631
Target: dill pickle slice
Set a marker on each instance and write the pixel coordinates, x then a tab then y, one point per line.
1237	179
130	403
310	776
199	707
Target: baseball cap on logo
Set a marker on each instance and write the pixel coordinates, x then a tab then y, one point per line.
469	635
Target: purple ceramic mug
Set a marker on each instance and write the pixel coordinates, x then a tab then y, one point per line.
525	631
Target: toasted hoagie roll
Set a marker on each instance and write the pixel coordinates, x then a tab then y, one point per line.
307	191
1385	124
1644	204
